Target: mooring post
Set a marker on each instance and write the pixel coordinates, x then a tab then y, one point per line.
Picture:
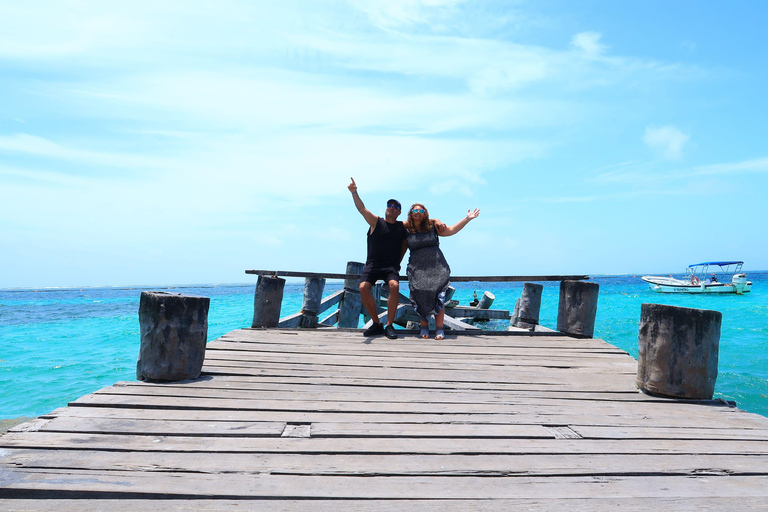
577	309
678	351
174	330
486	301
313	294
352	303
267	301
527	307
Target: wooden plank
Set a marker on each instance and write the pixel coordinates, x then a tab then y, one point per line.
163	427
367	395
594	504
458	325
469	312
171	484
574	417
382	445
318	429
330	300
390	464
331	319
290	321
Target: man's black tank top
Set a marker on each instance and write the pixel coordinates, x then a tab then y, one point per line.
385	244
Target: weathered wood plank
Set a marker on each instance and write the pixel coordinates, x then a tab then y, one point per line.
391	464
593	504
170	484
575	417
373	445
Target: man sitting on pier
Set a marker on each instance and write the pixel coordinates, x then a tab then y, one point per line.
386	248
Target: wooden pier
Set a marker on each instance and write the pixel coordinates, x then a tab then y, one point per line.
324	419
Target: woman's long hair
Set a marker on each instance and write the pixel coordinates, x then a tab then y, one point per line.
426	223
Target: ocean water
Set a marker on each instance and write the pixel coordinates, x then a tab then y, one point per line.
57	345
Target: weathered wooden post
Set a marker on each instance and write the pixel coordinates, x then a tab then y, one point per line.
486	301
678	351
174	330
577	308
267	301
351	304
527	307
313	294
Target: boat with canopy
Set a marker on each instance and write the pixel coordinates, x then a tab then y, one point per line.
707	277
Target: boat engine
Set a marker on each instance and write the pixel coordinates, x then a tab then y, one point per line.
739	281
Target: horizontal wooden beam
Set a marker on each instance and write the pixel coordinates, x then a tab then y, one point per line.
454	279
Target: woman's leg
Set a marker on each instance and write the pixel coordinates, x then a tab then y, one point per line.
439	318
424	334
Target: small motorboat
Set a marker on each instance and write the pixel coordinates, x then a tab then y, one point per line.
727	277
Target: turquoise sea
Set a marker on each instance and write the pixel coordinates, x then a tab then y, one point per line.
59	344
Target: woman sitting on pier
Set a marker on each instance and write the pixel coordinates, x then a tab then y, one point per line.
428	273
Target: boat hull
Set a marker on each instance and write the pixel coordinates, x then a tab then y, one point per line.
670	285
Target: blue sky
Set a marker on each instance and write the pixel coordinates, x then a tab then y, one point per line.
184	142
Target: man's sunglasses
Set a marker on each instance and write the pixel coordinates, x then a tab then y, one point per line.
418	210
392	205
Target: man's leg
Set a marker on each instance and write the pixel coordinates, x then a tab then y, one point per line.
393	300
368	302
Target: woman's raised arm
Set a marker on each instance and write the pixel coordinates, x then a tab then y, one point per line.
452	230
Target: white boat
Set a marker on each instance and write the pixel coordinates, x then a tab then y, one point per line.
700	278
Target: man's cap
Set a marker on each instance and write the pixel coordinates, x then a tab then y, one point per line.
399	206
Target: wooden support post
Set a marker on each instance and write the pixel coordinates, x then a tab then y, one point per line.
174	330
577	308
352	303
486	301
267	301
313	294
527	307
678	351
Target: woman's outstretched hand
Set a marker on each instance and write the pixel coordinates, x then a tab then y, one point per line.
472	214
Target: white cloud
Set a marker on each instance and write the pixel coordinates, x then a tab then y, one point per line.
588	43
40	147
666	141
398	13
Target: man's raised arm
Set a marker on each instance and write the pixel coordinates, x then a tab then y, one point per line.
370	218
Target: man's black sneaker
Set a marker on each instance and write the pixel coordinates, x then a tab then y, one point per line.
391	332
374	330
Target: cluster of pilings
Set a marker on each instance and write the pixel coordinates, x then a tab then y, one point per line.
678	347
576	312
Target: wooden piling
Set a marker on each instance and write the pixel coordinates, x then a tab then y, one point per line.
678	351
352	303
486	300
313	295
267	301
174	331
577	308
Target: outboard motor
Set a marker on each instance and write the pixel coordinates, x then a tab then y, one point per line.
739	281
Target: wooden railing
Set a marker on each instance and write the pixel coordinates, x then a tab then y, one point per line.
270	285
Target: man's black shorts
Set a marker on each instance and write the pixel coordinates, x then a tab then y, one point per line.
372	274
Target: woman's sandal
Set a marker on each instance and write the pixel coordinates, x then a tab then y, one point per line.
424	333
439	334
